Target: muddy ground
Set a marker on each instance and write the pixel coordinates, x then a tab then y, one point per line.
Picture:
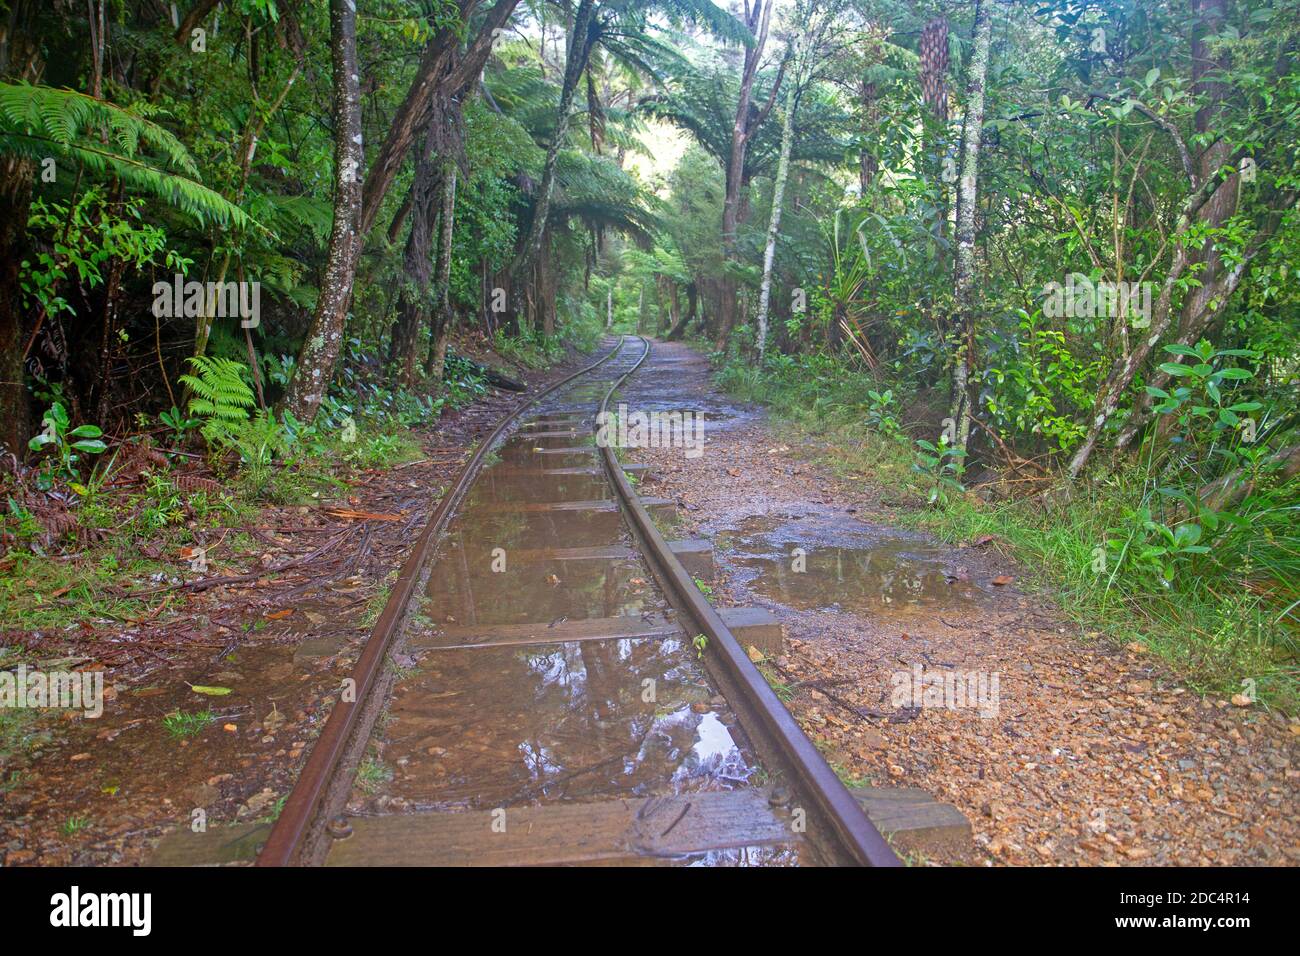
279	627
1090	752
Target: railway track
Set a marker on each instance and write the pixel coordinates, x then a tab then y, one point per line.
548	685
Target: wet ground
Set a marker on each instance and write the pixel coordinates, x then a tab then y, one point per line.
820	558
1089	753
475	726
274	637
1094	754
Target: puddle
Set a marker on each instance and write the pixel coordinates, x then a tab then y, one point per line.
847	564
492	727
539	590
495	726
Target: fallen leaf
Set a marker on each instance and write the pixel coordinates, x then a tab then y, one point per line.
210	691
1003	579
277	615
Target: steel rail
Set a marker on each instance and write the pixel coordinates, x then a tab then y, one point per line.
299	817
852	829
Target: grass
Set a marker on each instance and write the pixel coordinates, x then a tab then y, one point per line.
783	690
69	584
18	734
180	724
529	349
373	774
1216	625
41	591
1216	634
276	809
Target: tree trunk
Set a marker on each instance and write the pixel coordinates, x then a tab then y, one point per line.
778	197
934	67
440	327
413	303
964	282
20	59
868	166
692	301
760	15
444	74
320	350
575	64
15	198
1124	368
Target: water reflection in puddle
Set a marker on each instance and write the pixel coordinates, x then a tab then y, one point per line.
824	560
581	720
497	727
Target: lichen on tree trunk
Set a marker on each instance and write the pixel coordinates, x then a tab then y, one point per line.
320	349
964	279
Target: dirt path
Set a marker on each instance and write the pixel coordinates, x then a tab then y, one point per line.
1086	754
281	633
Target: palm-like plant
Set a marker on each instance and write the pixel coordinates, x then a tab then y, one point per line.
622	29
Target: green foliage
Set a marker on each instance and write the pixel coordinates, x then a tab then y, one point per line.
37	122
181	425
161	506
1038	389
64	443
179	724
941	466
1199	407
881	409
221	396
83	236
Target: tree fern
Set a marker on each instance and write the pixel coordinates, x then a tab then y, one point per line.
38	122
221	397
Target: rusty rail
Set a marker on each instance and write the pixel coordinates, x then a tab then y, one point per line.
299	818
761	711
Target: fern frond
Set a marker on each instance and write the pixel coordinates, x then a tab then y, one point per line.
37	122
220	395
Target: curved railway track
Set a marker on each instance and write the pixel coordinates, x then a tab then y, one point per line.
559	700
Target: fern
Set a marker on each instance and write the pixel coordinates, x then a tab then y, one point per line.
220	396
37	122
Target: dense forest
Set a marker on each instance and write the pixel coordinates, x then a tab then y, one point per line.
1030	260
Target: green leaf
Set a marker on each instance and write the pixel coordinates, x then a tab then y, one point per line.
90	446
210	691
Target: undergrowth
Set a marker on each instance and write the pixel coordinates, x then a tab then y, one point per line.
1109	552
